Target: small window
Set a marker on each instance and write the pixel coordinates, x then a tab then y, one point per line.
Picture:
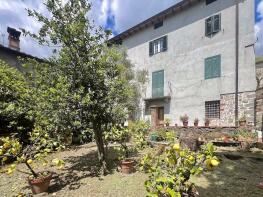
212	109
158	46
213	67
210	1
158	24
212	25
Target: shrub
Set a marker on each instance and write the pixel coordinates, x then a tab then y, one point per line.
139	131
14	101
170	173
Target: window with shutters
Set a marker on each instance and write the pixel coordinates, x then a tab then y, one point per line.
212	109
158	84
212	25
213	67
158	46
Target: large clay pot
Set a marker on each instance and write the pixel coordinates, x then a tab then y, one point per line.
127	166
41	184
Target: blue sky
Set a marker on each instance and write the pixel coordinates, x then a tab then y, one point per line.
117	15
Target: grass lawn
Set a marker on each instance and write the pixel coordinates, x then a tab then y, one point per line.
237	176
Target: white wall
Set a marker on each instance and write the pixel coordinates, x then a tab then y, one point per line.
183	63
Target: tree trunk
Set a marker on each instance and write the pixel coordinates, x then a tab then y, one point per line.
101	149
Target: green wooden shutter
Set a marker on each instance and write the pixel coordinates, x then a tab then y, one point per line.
158	83
216	67
208	26
150	48
216	23
164	43
208	68
213	67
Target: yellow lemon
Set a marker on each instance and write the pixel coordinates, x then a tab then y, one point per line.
4	158
30	161
214	162
6	145
191	158
176	147
9	171
13	166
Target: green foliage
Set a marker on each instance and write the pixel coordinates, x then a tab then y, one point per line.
165	135
120	135
170	173
11	150
14	101
167	121
244	133
139	131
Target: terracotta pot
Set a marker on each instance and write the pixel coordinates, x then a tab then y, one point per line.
226	139
196	124
185	123
40	185
127	166
242	123
206	124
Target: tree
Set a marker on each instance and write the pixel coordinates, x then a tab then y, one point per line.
14	99
99	77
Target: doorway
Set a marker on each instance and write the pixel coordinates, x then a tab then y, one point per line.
157	116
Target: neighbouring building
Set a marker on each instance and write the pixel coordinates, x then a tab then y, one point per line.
259	94
200	59
11	53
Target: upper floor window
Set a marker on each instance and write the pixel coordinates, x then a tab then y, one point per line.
157	46
213	67
158	24
158	84
213	25
210	1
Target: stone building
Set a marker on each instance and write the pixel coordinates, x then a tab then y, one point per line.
259	94
200	60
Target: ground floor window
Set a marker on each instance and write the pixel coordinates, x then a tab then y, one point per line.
212	109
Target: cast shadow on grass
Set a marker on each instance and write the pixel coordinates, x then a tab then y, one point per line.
238	175
82	167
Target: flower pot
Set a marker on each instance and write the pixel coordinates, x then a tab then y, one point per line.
185	123
242	123
196	124
127	166
40	184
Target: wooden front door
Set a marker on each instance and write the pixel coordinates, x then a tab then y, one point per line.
157	116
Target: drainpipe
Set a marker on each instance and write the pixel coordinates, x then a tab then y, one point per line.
237	62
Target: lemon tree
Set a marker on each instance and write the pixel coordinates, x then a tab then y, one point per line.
14	152
170	173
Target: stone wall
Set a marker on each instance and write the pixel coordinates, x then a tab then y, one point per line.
259	109
246	106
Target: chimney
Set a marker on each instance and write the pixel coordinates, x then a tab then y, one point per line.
13	37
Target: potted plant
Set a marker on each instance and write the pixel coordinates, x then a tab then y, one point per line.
167	122
207	122
196	121
242	121
11	150
184	119
246	138
122	135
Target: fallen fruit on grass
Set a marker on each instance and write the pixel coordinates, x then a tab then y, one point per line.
30	161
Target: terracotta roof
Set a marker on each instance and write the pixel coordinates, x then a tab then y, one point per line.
158	17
